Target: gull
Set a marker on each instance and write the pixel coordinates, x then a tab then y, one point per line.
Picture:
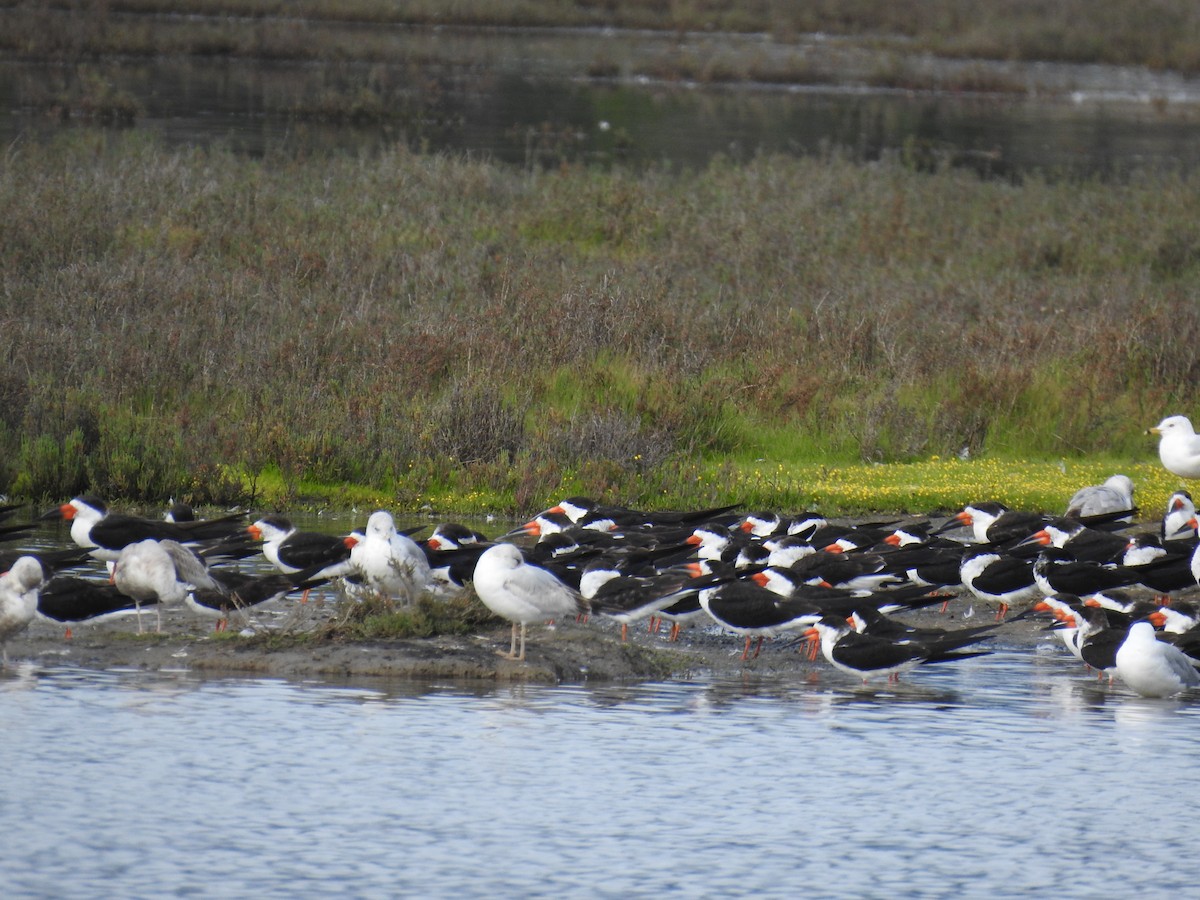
1151	667
19	588
390	563
522	592
160	572
1178	446
1114	496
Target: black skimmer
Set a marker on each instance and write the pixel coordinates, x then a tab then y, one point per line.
871	621
998	578
786	550
19	588
851	571
1123	602
1154	668
179	511
1176	524
745	608
714	541
69	601
1101	633
858	538
770	524
451	570
14	532
1178	446
763	524
1195	561
931	565
1165	569
454	536
1115	497
452	551
917	533
629	598
291	550
522	592
1145	548
390	564
1066	610
580	510
994	523
1078	540
52	560
840	601
1178	618
237	591
1057	572
104	534
867	656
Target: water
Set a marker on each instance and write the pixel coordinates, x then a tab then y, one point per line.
1011	774
523	98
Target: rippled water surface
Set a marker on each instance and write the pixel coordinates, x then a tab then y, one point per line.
1012	774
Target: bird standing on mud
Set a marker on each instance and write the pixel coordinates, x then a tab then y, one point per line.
522	592
390	564
19	588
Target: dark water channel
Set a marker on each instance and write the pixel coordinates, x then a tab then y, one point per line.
529	100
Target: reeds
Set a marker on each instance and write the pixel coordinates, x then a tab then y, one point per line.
201	324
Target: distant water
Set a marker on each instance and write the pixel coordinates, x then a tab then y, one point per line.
518	99
1014	774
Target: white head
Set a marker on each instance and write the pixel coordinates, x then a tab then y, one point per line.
1121	483
25	575
381	524
1142	632
1174	425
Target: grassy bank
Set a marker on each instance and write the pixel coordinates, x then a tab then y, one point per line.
199	324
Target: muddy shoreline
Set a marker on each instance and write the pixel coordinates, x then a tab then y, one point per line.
564	653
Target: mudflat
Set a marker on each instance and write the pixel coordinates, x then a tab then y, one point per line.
280	643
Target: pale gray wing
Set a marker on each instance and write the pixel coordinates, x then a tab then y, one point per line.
189	567
542	590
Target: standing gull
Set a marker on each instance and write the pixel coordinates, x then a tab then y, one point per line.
159	572
522	592
1178	446
1152	667
19	588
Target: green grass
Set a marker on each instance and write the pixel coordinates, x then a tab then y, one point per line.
927	487
377	619
434	331
934	485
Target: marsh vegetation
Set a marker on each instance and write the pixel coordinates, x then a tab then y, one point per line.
193	322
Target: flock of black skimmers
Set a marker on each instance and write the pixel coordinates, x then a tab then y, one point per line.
1114	590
